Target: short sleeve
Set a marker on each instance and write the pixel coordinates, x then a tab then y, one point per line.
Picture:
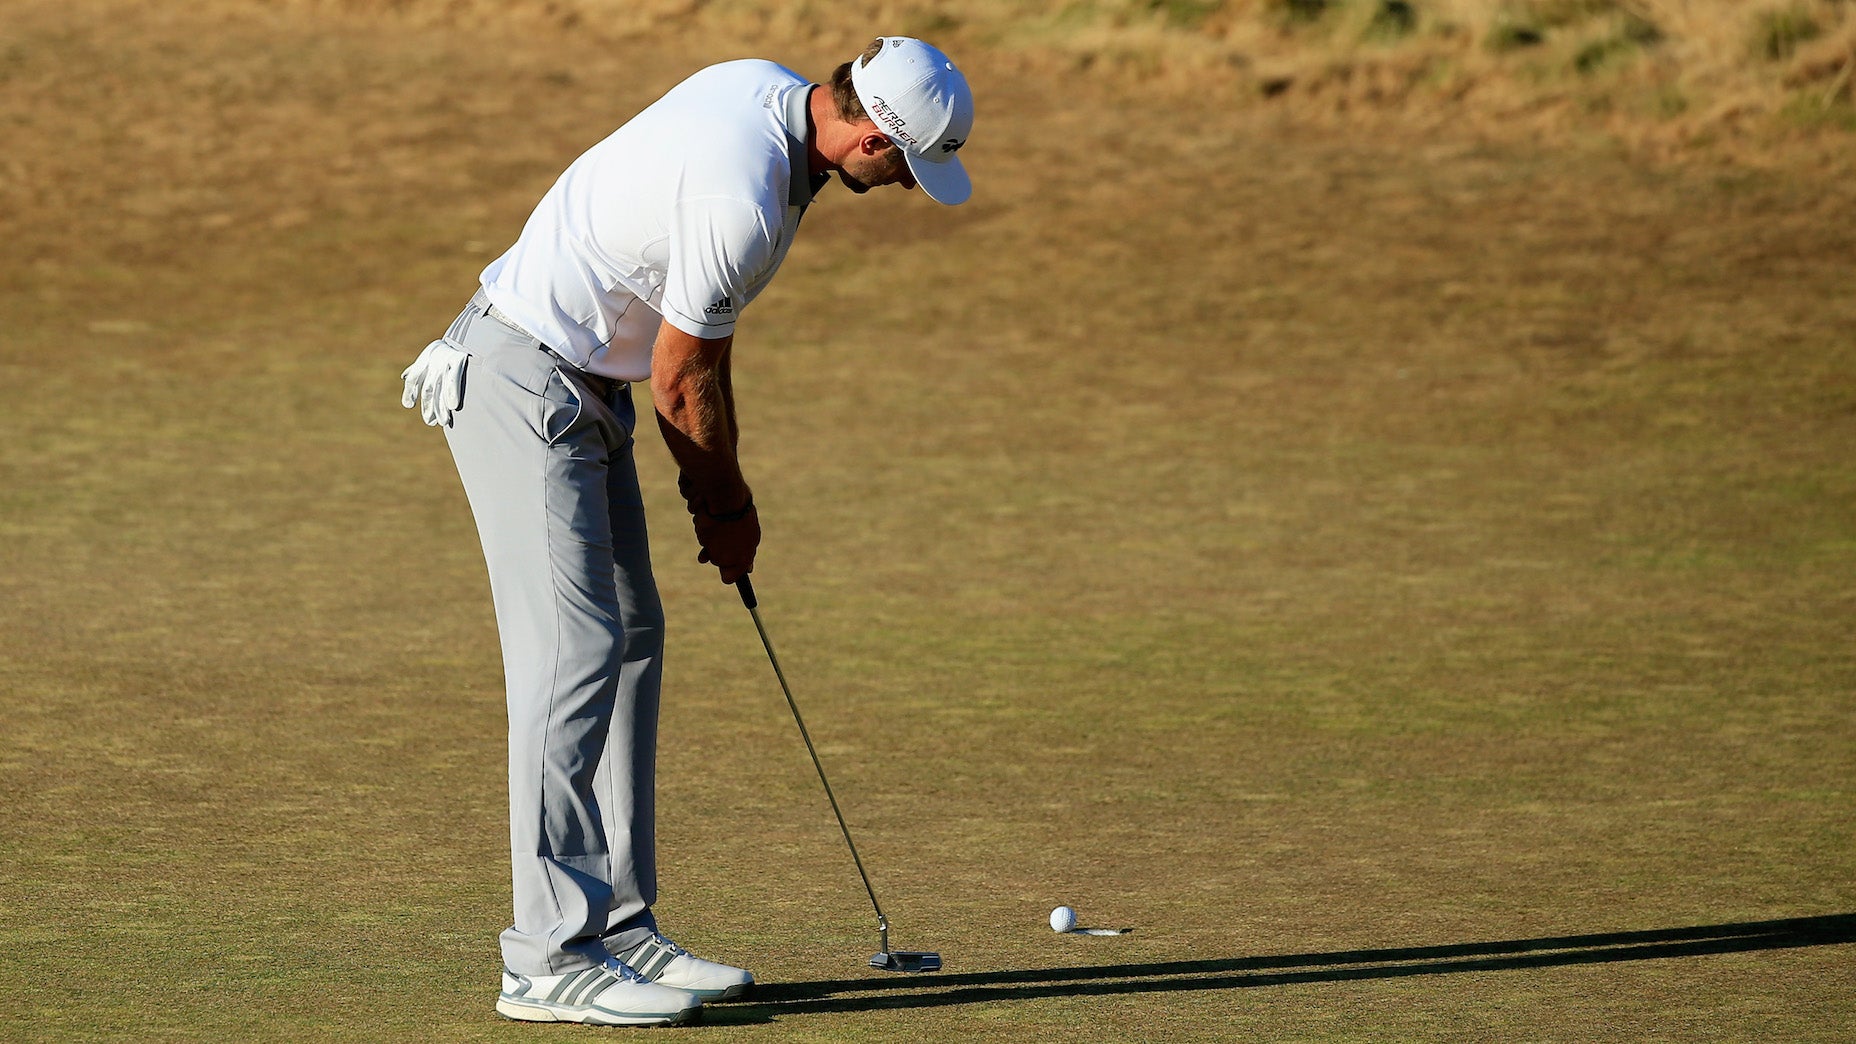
718	246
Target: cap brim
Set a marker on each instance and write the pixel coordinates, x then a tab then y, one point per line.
945	182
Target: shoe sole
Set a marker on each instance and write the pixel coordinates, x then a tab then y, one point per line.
735	992
535	1011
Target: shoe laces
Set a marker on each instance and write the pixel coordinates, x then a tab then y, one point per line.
665	941
618	969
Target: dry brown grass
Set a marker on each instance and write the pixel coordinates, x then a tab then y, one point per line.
1748	79
1290	528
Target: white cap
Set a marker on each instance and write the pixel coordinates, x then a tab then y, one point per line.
921	102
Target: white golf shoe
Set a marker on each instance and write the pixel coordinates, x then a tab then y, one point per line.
660	961
608	995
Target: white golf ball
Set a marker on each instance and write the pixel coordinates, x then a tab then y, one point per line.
1062	919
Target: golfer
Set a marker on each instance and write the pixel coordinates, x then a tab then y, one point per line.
634	269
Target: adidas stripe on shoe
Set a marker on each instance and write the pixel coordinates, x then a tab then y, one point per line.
663	962
611	994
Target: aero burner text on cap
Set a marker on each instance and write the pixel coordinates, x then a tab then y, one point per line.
922	103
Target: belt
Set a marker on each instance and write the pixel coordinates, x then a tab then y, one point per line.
602	386
503	317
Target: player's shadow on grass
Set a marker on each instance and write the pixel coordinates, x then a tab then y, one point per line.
933	991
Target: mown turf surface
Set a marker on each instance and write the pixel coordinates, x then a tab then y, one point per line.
1407	579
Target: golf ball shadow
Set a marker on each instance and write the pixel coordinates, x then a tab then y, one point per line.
1063	922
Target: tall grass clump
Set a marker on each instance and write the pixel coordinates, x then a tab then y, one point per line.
1299	12
1185	14
1778	32
1624	33
1392	20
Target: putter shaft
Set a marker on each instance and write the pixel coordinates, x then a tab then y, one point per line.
746	590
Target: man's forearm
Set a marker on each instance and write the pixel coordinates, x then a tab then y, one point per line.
728	400
695	411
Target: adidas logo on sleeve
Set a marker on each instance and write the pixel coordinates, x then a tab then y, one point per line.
725	306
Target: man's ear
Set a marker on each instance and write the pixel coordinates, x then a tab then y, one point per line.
874	144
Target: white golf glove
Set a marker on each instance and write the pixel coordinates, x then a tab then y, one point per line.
435	382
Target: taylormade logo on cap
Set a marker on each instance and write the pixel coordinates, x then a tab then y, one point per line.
921	102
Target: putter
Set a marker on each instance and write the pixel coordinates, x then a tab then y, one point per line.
885	958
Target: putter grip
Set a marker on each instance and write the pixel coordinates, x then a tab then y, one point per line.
746	588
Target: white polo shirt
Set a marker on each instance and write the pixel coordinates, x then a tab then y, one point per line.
683	214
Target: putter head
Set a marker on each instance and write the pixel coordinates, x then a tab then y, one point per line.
906	961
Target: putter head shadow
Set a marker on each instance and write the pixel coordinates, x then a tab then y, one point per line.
906	961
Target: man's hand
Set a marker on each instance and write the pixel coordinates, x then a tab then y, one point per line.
728	540
695	403
435	382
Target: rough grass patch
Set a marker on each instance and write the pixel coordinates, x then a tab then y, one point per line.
1185	14
1815	111
1554	14
1629	34
1513	30
1298	12
1392	20
1777	32
1668	102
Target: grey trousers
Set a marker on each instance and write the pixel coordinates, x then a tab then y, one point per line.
547	466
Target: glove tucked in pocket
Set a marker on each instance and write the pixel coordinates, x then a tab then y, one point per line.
435	382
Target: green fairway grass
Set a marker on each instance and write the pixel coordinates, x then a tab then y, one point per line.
1406	573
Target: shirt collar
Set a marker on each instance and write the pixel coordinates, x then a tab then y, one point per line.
803	184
